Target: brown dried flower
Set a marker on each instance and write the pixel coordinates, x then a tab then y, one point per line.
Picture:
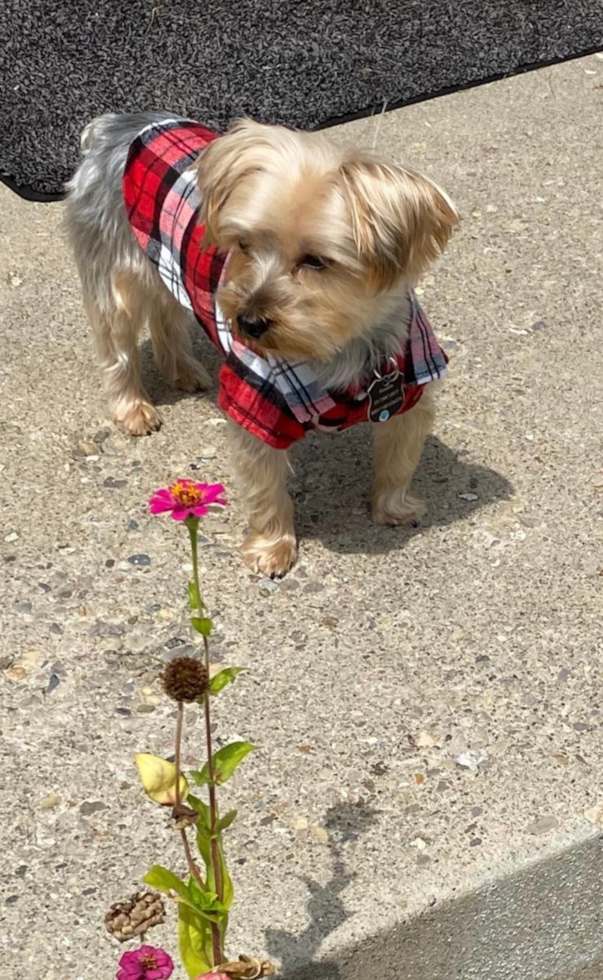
246	968
183	816
133	917
185	679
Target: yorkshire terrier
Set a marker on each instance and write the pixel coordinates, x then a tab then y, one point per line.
299	261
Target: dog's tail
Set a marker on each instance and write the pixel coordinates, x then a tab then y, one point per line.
90	132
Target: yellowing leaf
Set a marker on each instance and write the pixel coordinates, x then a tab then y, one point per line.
158	777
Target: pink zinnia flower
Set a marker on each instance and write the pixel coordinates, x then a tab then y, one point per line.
146	963
185	498
214	976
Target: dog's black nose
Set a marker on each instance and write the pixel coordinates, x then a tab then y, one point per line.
253	326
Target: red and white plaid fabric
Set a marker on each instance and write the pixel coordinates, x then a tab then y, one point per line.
276	400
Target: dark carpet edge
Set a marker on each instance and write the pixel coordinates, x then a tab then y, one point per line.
29	194
461	87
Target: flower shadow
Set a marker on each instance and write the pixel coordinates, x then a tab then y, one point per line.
297	953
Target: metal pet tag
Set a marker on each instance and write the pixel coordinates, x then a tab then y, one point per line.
386	397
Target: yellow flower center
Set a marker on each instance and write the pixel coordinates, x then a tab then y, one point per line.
149	962
186	495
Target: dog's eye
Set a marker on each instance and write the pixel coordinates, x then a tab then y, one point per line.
244	247
313	262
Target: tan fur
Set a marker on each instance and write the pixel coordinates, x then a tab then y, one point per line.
398	446
401	219
280	202
134	305
282	195
270	545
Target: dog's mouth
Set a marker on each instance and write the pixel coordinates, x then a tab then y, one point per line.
265	335
268	343
262	326
280	331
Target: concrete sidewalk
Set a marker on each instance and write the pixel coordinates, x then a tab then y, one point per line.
429	702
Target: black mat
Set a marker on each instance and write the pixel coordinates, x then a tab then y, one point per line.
304	62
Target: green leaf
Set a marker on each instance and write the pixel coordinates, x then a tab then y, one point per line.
203	626
193	596
224	677
194	942
225	760
229	758
203	903
206	902
203	899
201	808
204	845
227	886
226	820
166	881
204	821
204	848
199	777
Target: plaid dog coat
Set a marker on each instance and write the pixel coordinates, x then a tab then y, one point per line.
276	400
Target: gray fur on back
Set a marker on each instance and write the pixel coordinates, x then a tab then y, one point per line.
96	219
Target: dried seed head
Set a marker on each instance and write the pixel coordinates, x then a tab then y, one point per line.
185	679
183	816
133	917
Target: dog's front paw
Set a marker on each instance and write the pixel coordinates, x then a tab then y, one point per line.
140	420
397	507
273	557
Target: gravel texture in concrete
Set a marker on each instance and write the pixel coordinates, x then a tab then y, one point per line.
427	702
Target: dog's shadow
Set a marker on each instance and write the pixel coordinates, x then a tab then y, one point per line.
344	823
333	476
162	393
333	484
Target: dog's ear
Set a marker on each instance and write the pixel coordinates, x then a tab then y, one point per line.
401	219
220	167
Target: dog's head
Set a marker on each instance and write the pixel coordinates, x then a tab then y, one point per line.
317	236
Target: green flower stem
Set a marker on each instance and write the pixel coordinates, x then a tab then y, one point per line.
213	806
177	749
192	867
192	524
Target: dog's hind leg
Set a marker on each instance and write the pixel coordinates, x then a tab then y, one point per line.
115	328
170	327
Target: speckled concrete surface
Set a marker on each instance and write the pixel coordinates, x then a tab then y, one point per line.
428	702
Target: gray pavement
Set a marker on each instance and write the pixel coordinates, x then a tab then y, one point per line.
427	702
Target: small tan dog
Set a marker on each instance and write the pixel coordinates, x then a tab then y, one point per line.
299	260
